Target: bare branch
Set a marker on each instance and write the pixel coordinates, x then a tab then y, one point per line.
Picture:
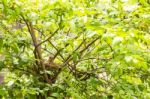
75	49
37	51
48	38
89	45
69	57
104	59
110	47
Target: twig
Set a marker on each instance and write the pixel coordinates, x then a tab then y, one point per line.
69	57
47	38
75	50
105	59
110	47
89	45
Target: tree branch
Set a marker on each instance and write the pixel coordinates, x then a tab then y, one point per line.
37	52
89	45
47	38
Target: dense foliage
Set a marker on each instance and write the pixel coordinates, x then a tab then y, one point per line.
93	49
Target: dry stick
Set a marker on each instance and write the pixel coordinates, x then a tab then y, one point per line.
91	58
58	53
82	59
110	48
86	48
58	50
65	46
38	54
38	45
104	59
35	55
69	59
32	33
47	38
89	45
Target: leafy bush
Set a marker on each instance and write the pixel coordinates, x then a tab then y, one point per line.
75	49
